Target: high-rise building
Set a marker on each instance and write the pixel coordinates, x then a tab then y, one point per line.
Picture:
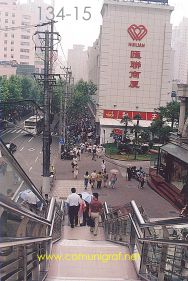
134	59
17	43
180	47
77	59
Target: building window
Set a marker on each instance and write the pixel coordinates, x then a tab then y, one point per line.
24	57
6	20
13	15
24	50
24	63
12	35
12	43
26	17
6	14
6	34
5	42
12	49
5	48
25	37
13	21
25	43
5	55
12	56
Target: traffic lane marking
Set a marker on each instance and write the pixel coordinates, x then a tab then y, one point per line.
3	134
30	169
36	159
31	149
22	148
30	139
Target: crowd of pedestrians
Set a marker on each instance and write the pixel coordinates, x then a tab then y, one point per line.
82	213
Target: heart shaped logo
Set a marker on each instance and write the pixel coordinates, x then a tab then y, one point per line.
137	32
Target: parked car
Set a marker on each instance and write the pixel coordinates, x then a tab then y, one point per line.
11	147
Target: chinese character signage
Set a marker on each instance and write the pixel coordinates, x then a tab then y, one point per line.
119	114
137	33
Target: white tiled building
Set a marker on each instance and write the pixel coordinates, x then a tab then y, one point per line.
180	47
134	67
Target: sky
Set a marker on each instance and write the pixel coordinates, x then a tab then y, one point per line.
74	30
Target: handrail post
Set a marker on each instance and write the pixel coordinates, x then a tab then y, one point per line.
137	213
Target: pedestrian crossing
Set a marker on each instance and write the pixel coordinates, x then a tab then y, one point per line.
13	131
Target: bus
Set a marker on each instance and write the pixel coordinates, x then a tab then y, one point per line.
34	125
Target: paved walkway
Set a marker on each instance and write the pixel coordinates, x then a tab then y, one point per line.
154	205
62	188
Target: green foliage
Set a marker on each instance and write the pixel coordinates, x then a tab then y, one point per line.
170	112
86	88
19	88
80	98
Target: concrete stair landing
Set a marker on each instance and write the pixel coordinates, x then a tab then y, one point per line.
88	269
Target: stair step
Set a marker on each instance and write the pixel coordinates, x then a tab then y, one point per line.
88	279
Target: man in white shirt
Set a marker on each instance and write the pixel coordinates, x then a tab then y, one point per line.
74	203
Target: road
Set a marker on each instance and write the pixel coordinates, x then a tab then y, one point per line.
29	151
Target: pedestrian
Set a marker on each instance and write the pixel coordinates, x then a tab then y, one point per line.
95	209
103	166
105	178
93	178
184	195
94	153
76	171
99	179
113	180
86	179
129	173
85	214
81	210
141	181
78	154
73	201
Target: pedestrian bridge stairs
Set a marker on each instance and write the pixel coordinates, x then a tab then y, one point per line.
85	257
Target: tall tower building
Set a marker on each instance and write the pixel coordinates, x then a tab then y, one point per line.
77	59
180	47
17	43
134	59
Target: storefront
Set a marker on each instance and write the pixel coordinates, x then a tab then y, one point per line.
173	164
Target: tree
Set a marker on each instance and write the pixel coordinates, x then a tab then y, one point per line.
15	87
170	112
125	121
86	88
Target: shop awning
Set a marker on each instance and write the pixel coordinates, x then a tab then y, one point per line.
177	151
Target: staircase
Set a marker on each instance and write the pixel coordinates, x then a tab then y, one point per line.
89	258
165	190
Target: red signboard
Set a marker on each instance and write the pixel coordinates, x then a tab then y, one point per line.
118	132
119	114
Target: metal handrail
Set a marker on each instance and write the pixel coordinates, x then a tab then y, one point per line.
15	207
23	241
143	224
17	166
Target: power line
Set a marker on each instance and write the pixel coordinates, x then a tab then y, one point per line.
24	26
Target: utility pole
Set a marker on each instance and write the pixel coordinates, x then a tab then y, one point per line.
67	76
46	132
47	80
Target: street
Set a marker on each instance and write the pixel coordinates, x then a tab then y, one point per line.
29	152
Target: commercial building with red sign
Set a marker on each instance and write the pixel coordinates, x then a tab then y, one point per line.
133	55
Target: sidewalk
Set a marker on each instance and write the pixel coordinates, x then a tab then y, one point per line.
154	205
